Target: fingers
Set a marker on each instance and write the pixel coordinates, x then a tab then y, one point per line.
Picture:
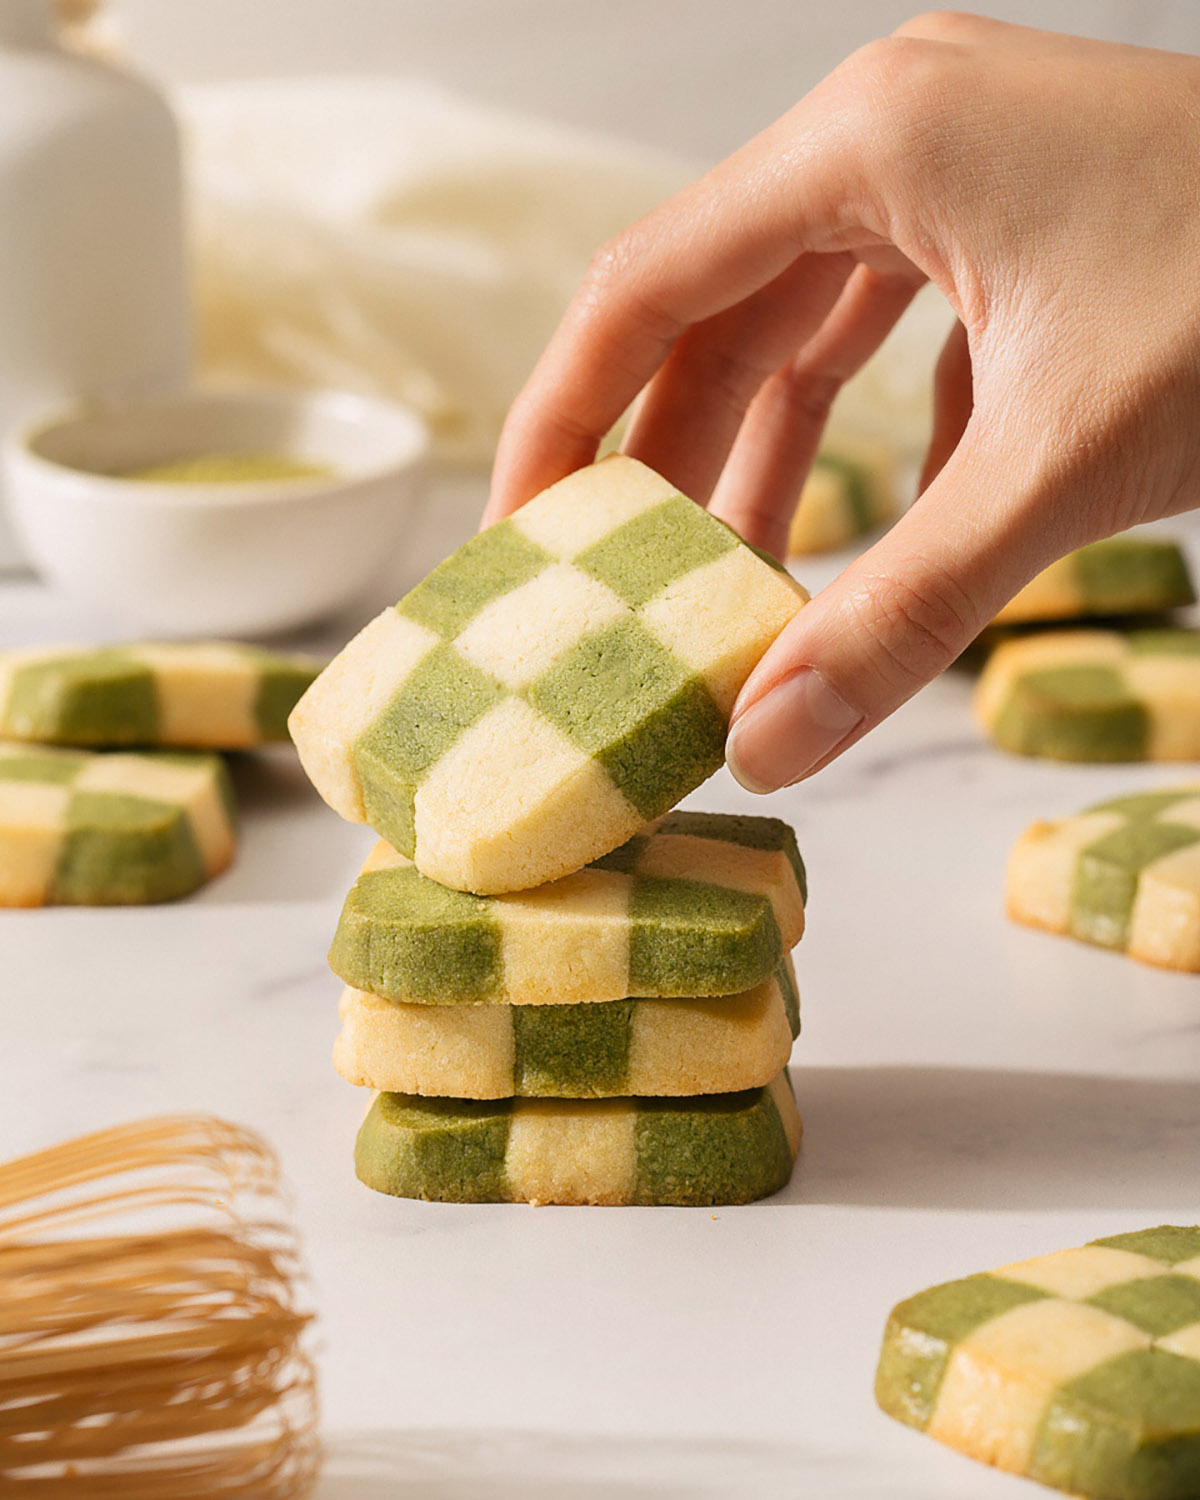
761	482
953	401
691	411
706	250
889	624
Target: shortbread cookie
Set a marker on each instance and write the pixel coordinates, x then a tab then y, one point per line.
846	495
213	695
561	680
705	1150
711	1046
87	829
699	904
1124	874
1124	575
1079	1369
1095	695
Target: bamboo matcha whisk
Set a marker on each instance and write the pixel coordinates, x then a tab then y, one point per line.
150	1340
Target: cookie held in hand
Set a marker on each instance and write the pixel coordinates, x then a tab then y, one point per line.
561	680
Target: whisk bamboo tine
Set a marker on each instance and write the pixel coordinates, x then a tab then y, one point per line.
165	1361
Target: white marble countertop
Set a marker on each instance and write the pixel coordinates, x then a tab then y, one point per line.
972	1092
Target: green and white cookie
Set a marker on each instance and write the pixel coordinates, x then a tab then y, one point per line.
212	695
618	1047
1124	575
699	904
1079	1369
1095	695
706	1150
87	829
1124	874
561	680
846	495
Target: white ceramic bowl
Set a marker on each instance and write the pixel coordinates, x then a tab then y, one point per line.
244	558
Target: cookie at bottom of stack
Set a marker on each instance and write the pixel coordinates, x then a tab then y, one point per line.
699	1151
88	829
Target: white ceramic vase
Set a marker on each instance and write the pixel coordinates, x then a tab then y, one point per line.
93	290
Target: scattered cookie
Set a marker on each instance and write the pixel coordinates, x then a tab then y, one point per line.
87	829
1095	695
199	695
701	1046
707	1150
699	904
846	495
1124	874
1079	1369
1124	575
561	680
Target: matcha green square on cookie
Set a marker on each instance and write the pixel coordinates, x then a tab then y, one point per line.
1124	575
1125	874
110	828
698	904
714	1045
704	1150
214	695
561	680
1080	1369
1095	695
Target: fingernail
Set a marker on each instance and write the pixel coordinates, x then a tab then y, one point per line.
781	738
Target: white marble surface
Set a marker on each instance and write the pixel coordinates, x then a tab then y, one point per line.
972	1092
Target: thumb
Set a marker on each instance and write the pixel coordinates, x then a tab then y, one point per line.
887	625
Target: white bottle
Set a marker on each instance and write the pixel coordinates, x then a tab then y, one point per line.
93	289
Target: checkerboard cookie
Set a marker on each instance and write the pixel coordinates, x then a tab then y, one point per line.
702	1046
698	904
845	496
1095	695
88	829
1079	1369
563	679
208	695
1124	575
1124	874
705	1150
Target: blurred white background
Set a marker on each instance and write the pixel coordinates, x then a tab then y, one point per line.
693	76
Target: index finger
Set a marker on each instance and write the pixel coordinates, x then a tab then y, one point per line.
710	246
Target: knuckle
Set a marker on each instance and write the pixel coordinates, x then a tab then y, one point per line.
733	375
613	281
811	394
919	624
898	93
941	24
611	261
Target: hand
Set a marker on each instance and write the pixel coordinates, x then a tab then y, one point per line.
1049	187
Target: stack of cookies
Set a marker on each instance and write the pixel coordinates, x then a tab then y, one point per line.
1122	683
563	991
104	798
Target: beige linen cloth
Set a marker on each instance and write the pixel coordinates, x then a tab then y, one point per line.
386	236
